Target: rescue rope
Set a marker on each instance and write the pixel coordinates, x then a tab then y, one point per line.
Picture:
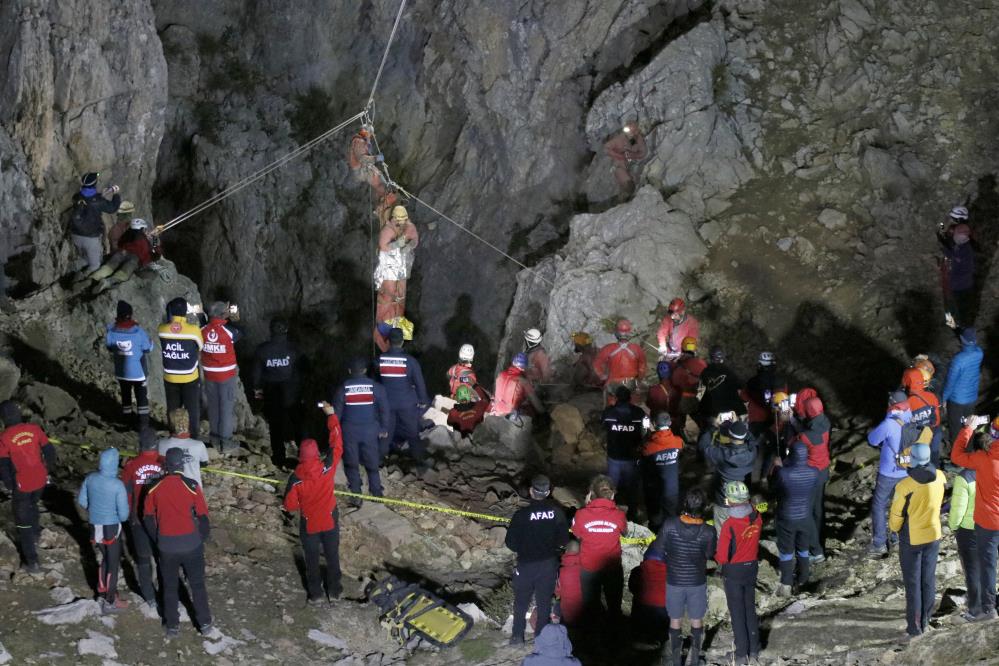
395	27
261	173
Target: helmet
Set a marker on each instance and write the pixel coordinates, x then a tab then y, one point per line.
466	353
623	328
736	492
663	421
688	344
780	400
399	213
767	358
994	428
926	366
533	336
677	306
582	339
464	394
138	223
717	354
813	407
915	378
365	130
89	179
519	360
959	213
664	369
404	324
126	208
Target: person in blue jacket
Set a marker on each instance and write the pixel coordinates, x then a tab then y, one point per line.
888	437
407	393
366	418
960	392
796	528
129	345
104	497
552	647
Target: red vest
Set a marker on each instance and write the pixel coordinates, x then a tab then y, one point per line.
218	356
510	392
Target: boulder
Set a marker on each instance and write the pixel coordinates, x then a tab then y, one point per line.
10	374
98	645
51	402
501	439
72	613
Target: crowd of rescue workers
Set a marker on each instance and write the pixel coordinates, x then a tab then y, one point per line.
764	445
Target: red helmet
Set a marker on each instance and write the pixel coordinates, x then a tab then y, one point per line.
677	305
813	407
623	327
915	378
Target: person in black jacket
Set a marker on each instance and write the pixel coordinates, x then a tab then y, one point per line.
623	422
86	226
687	544
796	481
721	388
733	455
276	374
537	534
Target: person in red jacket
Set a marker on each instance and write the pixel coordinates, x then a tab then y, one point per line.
986	465
647	583
469	411
813	430
134	251
925	406
461	373
310	491
26	455
660	466
599	527
583	374
660	397
686	378
621	362
176	517
568	589
738	554
514	391
676	326
625	148
139	473
218	362
363	161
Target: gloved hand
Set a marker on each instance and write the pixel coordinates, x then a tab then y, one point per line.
663	350
383	435
379	157
111	191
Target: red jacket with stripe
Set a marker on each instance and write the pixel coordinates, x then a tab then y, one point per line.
619	361
310	487
21	449
739	539
599	527
138	473
218	355
175	513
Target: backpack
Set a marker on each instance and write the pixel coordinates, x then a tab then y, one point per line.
409	611
910	435
78	217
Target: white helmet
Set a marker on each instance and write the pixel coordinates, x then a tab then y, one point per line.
138	223
766	358
466	353
959	213
533	336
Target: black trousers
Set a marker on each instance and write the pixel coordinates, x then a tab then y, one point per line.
109	546
280	403
610	582
329	542
141	406
533	579
740	593
193	563
955	412
793	538
967	550
188	396
919	566
818	512
141	548
26	519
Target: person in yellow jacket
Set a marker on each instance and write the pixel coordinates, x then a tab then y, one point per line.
961	521
915	515
180	343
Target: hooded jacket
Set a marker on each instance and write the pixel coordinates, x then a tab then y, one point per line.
986	466
963	376
815	436
552	648
599	527
962	501
569	589
685	544
103	494
129	345
310	487
732	461
796	480
888	437
916	505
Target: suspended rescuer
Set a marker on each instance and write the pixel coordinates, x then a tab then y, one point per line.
218	361
86	226
625	148
961	520
407	394
624	424
276	382
461	373
514	394
134	251
795	482
363	161
130	345
366	418
960	392
397	243
469	410
661	472
732	453
915	515
722	388
139	473
662	397
759	391
813	430
889	436
675	327
539	365
957	268
621	363
599	527
738	554
537	534
181	343
310	491
686	378
195	453
104	497
26	456
986	513
686	543
176	518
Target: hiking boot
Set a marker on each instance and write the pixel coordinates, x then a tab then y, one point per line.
985	616
818	558
876	552
211	632
355	502
782	590
742	661
516	641
112	607
170	633
968	616
31	568
315	602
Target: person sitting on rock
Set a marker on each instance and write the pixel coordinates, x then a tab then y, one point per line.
599	527
135	251
363	161
310	492
461	373
514	394
126	211
568	589
675	328
620	363
104	497
539	366
796	481
86	226
130	345
583	373
469	410
625	148
26	458
552	647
